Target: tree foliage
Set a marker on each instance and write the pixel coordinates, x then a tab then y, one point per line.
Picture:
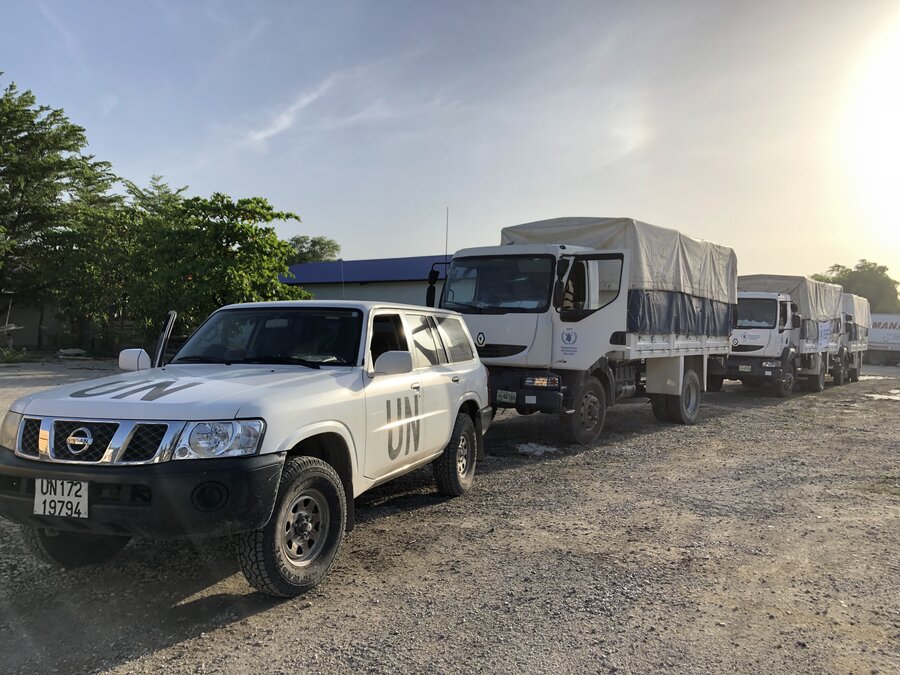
106	259
869	280
312	249
47	182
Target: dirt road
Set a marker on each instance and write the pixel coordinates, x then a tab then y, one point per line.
764	539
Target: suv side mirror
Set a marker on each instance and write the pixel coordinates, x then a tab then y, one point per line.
133	359
795	321
394	363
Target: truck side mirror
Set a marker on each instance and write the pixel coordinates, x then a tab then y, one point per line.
848	318
562	266
559	291
133	359
394	363
795	321
429	295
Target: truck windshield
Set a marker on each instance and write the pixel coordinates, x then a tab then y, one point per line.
499	284
756	313
309	337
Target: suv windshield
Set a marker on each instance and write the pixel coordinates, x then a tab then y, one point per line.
500	284
310	337
756	313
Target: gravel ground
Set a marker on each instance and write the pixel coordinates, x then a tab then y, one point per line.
763	539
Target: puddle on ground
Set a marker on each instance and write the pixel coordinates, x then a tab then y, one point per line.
892	395
535	449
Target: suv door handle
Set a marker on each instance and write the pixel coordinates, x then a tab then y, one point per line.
416	386
455	378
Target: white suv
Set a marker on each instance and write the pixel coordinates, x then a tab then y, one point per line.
265	425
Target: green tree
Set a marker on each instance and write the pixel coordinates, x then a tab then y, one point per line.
46	181
201	253
869	280
311	249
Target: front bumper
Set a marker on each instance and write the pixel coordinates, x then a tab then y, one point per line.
740	367
527	399
210	497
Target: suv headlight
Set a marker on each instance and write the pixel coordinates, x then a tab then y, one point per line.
9	432
207	440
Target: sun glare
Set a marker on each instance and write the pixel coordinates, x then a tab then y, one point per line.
873	141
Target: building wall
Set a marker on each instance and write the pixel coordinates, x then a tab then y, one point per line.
406	292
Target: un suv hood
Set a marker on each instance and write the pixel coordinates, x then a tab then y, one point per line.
191	392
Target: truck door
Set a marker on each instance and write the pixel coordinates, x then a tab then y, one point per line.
593	308
395	404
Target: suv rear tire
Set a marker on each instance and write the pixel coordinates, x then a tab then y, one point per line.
293	552
454	470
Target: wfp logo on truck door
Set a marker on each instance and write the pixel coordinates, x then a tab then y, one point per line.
406	420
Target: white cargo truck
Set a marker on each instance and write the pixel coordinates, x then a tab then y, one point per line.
884	340
265	426
855	336
572	315
788	330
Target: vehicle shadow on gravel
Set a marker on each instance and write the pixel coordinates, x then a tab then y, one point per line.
153	596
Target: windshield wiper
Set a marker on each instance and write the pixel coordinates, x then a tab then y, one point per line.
196	359
279	360
463	307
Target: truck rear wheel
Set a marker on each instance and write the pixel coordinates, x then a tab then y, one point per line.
853	374
816	383
295	549
454	470
685	408
585	424
71	549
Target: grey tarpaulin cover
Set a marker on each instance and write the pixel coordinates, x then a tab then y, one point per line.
858	308
816	299
661	260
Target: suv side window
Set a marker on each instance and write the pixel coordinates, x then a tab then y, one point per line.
387	335
428	351
455	339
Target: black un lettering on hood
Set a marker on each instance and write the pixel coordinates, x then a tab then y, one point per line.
155	390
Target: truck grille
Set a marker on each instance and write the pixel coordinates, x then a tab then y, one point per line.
496	351
128	441
101	435
746	348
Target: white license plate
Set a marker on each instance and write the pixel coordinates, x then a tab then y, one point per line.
745	369
66	498
506	396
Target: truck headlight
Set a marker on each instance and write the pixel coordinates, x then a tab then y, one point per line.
9	432
771	364
543	381
206	440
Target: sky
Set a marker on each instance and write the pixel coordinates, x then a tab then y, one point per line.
771	127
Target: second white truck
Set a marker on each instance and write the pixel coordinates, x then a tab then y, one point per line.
572	315
855	336
788	330
884	340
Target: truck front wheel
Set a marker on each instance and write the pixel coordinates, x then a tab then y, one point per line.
71	549
584	425
454	470
296	548
784	386
839	372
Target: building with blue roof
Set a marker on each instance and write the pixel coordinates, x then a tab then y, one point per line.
389	279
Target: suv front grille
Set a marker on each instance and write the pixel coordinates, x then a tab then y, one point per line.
101	433
126	441
31	430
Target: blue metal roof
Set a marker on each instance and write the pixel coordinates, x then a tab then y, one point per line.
364	271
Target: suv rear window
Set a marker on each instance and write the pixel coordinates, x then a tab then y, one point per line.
455	339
